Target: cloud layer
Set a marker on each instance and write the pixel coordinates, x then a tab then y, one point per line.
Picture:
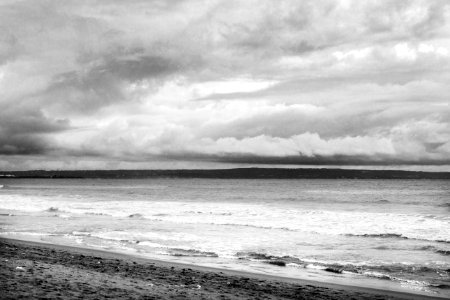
98	84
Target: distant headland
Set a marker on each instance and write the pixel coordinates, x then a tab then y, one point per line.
237	173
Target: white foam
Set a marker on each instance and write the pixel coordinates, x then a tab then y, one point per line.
144	236
152	244
313	266
81	233
25	233
335	222
376	275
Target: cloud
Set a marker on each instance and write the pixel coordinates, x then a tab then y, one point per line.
24	132
228	81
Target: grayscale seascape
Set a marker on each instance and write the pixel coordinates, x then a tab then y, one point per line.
225	149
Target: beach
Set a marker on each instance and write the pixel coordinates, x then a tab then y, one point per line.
36	270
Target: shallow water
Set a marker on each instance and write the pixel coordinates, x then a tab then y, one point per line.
385	233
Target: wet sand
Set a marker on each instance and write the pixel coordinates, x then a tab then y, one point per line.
44	271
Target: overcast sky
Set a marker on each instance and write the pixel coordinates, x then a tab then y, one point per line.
141	84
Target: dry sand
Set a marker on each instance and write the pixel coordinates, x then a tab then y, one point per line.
43	271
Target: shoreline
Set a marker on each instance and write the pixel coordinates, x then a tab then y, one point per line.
232	173
125	275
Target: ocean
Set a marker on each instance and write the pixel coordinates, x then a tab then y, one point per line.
391	234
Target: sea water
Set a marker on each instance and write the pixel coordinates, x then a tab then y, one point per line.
392	234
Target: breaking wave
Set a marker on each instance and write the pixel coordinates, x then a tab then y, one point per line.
190	252
395	272
393	236
52	209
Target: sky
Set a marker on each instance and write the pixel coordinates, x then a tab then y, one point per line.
201	84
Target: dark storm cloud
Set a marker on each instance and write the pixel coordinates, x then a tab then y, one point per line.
343	160
24	132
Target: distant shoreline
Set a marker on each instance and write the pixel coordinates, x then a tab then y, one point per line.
237	173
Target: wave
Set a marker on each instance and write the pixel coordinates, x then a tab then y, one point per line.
97	214
280	260
52	209
26	233
443	241
126	241
81	233
254	255
382	201
436	250
58	212
161	215
441	286
252	226
396	272
377	275
394	236
443	252
150	244
136	216
190	252
313	222
378	235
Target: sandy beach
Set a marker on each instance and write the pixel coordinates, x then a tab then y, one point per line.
42	271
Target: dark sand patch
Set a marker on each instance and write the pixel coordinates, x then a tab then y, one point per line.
33	270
